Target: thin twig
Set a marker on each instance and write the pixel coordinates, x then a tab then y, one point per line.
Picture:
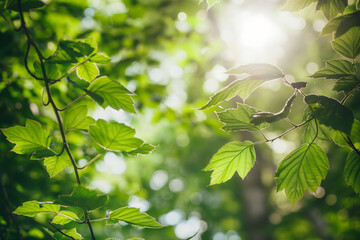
70	104
349	94
91	161
57	229
10	24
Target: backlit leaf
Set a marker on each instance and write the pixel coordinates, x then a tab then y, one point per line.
51	69
260	71
297	5
56	164
322	133
114	136
26	5
239	119
348	44
113	94
342	24
28	139
142	150
339	138
83	198
302	169
100	58
243	88
346	84
330	112
72	52
135	217
336	69
71	232
232	157
76	118
87	71
32	208
352	171
64	217
331	8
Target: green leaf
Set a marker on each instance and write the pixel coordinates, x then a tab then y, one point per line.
51	69
232	157
83	198
72	52
336	69
28	139
100	58
113	94
211	3
64	217
342	24
144	149
330	112
239	119
260	71
346	84
352	171
114	136
323	133
331	8
56	164
87	71
32	208
76	118
297	5
302	169
338	137
348	44
26	5
243	88
71	232
133	216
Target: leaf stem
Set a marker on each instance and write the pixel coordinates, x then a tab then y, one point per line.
57	229
91	161
349	94
70	104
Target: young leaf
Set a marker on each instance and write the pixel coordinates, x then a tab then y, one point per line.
302	169
232	157
114	136
239	119
331	8
113	94
261	117
142	150
336	69
352	171
346	84
76	118
83	198
64	217
297	5
243	88
87	71
51	69
28	139
100	58
133	216
56	164
72	52
71	232
330	112
32	208
260	71
348	44
342	24
26	5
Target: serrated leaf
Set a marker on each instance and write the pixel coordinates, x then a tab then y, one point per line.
330	112
71	232
76	118
302	169
56	164
113	94
100	58
338	137
342	24
331	8
87	71
348	44
72	52
336	69
51	69
64	217
323	133
133	216
352	170
28	139
297	5
243	88
83	198
346	84
32	208
26	5
239	119
142	150
259	71
114	136
232	157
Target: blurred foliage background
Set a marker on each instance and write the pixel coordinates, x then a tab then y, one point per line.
173	55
